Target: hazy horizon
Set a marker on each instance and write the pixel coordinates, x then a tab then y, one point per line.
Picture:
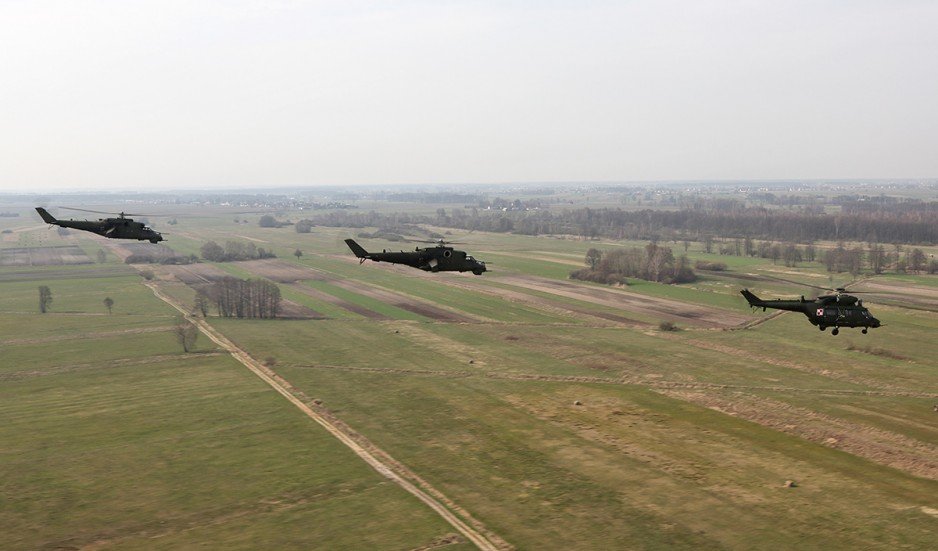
174	95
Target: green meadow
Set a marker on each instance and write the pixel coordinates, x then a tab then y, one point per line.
555	421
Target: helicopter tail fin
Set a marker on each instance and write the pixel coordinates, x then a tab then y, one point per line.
752	299
46	217
356	248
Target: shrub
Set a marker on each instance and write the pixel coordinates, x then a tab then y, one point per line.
711	266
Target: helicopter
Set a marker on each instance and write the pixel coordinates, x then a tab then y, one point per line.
440	258
836	310
114	228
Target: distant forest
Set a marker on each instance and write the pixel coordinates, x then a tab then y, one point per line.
907	222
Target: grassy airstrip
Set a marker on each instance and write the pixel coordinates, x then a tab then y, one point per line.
114	438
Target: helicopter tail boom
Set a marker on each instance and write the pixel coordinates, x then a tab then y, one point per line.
46	217
357	249
752	299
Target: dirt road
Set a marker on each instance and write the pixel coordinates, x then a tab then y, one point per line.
469	527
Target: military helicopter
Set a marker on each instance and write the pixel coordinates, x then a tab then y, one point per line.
836	310
430	259
114	228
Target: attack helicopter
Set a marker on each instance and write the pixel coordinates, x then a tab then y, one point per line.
834	310
440	258
114	228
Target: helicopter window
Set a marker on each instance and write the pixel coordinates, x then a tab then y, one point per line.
469	257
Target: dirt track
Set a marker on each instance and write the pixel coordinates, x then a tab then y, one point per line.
457	517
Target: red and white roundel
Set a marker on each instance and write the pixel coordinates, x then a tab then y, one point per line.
820	311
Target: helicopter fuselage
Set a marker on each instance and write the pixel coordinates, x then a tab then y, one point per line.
834	311
430	259
112	228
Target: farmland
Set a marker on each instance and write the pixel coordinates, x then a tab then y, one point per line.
540	411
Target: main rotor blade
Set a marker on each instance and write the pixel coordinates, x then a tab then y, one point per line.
799	283
86	210
120	213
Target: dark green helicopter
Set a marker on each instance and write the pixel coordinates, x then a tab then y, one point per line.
430	259
114	228
836	310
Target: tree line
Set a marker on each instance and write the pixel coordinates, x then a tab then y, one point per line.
654	262
233	251
908	223
240	298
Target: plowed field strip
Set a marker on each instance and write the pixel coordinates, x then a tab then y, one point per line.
625	380
543	304
340	302
281	271
471	528
654	306
404	302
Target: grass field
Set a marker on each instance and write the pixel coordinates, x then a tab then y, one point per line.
556	414
114	438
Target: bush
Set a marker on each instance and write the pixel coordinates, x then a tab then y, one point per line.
147	274
711	266
668	326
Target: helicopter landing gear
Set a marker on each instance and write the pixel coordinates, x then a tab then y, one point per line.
834	331
864	331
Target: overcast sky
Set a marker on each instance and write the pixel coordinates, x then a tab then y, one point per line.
182	94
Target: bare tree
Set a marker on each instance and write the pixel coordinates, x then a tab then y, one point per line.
877	258
186	334
45	298
593	256
108	303
202	302
250	298
917	260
